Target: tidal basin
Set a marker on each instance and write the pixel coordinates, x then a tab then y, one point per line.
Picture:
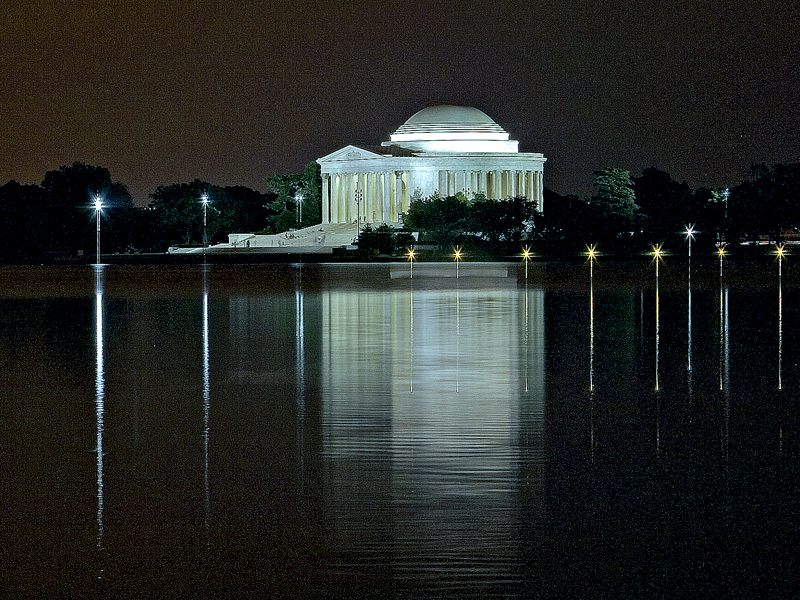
327	431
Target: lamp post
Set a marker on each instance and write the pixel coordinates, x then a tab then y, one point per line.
690	236
98	206
457	255
204	200
411	256
358	194
526	257
299	200
657	253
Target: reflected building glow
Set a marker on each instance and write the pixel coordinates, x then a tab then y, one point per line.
454	439
100	393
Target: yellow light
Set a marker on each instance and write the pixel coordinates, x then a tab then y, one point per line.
411	254
591	251
657	251
526	253
721	251
779	251
457	254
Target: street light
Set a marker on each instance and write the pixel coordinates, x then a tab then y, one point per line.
299	200
526	257
411	256
457	255
204	200
690	236
98	206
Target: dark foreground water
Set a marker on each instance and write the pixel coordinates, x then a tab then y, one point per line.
333	431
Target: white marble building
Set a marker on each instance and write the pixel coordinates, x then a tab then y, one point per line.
444	148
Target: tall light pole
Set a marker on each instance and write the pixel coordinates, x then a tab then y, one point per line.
526	258
204	200
299	199
359	192
98	206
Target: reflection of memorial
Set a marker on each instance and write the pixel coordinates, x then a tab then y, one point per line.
447	456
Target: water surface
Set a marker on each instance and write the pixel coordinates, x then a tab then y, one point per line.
336	431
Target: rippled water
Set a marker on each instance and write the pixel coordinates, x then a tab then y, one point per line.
346	431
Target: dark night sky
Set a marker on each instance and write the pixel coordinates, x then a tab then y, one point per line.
231	92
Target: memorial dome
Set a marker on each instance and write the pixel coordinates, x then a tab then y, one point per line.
447	128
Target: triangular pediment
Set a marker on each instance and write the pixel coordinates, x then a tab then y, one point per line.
350	153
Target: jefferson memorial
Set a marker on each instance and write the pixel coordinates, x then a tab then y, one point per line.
443	148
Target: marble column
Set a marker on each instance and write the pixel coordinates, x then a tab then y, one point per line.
326	207
386	198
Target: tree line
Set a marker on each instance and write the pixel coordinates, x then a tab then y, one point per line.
56	218
624	215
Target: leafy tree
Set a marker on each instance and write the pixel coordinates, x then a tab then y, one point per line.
382	239
442	220
239	209
502	222
617	212
286	189
178	211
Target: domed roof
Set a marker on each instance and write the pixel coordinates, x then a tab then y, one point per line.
449	122
450	113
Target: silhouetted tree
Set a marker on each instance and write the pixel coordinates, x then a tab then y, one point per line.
69	197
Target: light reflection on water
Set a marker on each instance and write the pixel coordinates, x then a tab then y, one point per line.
426	437
397	461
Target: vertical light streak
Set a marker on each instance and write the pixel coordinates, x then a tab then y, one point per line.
591	351
722	333
780	315
300	367
727	379
657	254
458	338
526	337
591	323
99	398
206	403
411	345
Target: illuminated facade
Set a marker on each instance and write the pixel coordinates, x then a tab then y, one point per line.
443	148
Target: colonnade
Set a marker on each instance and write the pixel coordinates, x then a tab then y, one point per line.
377	197
381	196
